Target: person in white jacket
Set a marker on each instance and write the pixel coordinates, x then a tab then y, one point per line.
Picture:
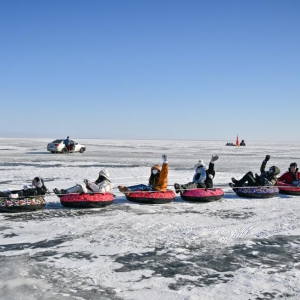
101	185
203	178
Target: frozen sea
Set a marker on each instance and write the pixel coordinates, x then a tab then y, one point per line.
229	249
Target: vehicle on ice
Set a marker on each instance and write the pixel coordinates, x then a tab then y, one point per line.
58	146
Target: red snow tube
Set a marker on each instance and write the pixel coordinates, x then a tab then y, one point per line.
23	204
288	189
87	200
151	197
257	192
203	195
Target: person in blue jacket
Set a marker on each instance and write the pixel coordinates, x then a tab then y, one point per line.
67	143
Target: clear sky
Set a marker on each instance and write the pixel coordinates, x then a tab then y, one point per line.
137	69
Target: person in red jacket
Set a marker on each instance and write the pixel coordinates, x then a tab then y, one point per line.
292	176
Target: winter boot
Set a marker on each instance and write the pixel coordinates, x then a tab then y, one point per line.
234	180
123	189
177	188
56	191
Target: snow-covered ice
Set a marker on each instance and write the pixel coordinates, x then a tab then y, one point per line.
229	249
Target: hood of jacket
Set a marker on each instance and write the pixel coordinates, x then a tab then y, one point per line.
276	172
38	182
104	173
156	167
199	164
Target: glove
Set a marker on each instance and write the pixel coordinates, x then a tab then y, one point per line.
214	158
13	196
164	158
267	157
210	176
85	181
296	182
25	187
256	175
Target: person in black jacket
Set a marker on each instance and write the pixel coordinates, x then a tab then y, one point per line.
242	143
203	178
38	189
266	178
210	173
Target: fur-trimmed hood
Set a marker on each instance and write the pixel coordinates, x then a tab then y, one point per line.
199	164
276	171
156	167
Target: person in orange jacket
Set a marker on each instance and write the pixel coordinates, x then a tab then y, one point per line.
158	180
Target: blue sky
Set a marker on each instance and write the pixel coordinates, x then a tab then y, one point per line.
199	70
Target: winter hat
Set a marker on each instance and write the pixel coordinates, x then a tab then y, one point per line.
156	167
199	164
104	173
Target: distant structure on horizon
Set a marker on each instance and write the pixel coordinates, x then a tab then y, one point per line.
237	144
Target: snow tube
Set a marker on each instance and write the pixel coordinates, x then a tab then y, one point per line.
203	195
288	189
151	197
22	204
257	192
87	200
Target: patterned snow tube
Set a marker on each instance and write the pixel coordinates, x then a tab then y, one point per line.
23	204
288	189
257	192
151	197
203	195
87	200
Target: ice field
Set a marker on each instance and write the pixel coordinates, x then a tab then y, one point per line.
234	248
